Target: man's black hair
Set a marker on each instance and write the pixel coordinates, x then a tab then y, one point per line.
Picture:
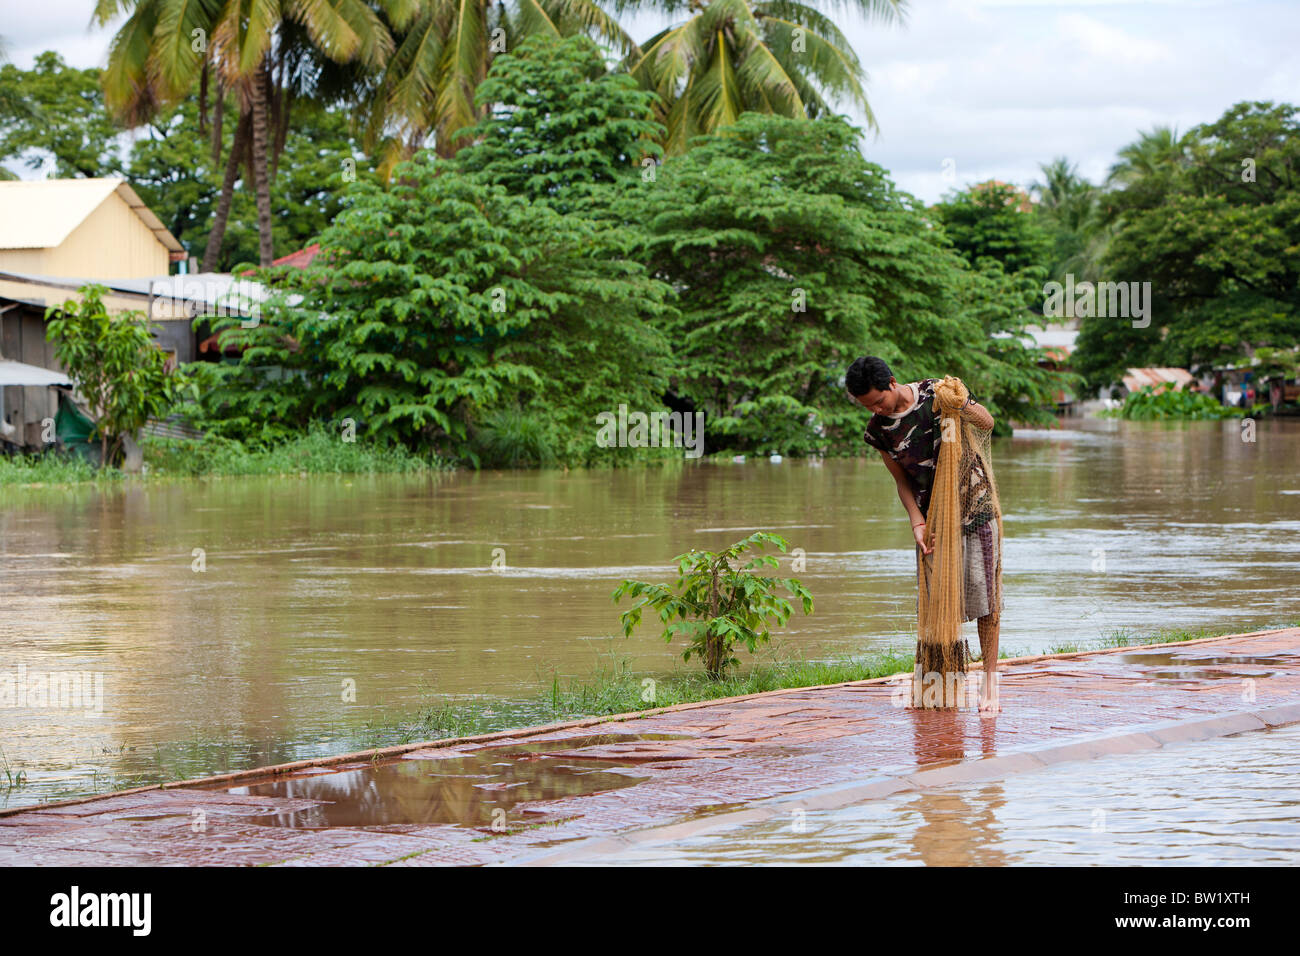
866	373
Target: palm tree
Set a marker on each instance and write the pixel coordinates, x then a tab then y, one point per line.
1073	205
1153	154
1063	192
443	52
1145	173
165	46
731	56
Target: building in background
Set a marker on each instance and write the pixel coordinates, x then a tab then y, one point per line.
82	227
58	235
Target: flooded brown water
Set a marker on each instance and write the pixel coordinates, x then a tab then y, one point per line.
317	590
1232	800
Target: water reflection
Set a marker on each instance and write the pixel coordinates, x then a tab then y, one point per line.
1232	800
476	790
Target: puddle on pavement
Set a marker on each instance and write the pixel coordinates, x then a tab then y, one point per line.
462	791
1185	667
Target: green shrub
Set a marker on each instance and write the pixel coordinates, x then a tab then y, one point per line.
115	364
511	438
717	604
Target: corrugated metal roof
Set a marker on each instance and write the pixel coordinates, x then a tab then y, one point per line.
1136	378
18	373
40	214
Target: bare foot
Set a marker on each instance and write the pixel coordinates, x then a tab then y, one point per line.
989	697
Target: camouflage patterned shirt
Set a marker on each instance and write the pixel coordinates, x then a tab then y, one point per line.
912	440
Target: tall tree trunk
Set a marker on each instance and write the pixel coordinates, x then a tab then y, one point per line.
713	647
203	99
281	131
278	111
217	118
213	251
260	183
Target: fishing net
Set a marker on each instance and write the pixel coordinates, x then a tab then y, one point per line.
964	495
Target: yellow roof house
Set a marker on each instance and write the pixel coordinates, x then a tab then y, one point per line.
55	236
82	227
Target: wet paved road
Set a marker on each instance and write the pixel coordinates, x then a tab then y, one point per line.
551	796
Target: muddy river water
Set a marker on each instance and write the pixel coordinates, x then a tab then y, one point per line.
236	622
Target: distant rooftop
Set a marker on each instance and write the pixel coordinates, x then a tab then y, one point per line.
205	289
302	258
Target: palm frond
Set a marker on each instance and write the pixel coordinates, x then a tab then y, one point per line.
809	18
173	60
573	16
764	80
343	30
718	91
128	92
835	70
461	68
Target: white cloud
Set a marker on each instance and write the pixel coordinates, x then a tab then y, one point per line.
1110	43
61	25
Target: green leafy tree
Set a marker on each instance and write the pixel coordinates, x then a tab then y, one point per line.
260	51
438	301
54	113
560	126
443	51
1212	221
115	365
1071	213
718	602
792	255
994	220
1006	367
171	168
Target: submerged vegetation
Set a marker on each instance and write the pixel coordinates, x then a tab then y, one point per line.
1163	402
319	450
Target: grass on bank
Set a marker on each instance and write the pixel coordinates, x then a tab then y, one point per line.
319	450
614	689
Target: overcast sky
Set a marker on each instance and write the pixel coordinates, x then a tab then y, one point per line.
995	86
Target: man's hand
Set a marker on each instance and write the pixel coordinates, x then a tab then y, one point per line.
918	532
978	415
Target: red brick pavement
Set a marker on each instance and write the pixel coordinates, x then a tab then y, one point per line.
699	759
